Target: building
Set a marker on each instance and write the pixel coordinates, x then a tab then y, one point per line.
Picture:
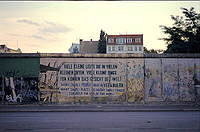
75	48
131	43
5	49
88	46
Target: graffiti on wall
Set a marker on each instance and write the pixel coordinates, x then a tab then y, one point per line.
48	82
186	79
19	89
197	80
135	80
153	80
170	79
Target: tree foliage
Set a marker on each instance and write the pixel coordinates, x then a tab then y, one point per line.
184	34
159	51
102	42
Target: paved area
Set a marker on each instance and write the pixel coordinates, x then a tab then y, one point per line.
98	108
100	121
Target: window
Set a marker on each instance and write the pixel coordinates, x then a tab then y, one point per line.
138	40
129	40
109	48
113	48
135	48
120	48
130	48
133	40
110	40
140	48
124	40
119	40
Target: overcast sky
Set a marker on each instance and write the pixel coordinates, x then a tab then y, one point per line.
53	26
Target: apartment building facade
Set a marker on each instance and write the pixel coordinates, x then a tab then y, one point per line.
129	43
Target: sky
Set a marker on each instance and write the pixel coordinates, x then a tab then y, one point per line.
51	27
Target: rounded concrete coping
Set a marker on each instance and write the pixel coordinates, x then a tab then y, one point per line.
112	55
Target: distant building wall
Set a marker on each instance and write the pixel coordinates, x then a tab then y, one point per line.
5	49
124	49
75	48
117	78
129	43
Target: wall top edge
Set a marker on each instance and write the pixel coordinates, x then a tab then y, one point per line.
112	55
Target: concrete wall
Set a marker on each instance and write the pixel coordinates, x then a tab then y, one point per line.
19	79
171	79
116	78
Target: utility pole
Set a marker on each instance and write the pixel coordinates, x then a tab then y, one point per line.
17	44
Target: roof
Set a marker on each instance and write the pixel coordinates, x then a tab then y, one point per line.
86	42
126	35
89	46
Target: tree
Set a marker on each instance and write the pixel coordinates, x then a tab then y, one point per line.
102	42
159	51
184	34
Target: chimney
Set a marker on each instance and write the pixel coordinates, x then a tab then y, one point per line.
81	40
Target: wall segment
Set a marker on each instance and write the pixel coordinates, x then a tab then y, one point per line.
101	78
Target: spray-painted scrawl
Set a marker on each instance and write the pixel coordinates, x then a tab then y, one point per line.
19	90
